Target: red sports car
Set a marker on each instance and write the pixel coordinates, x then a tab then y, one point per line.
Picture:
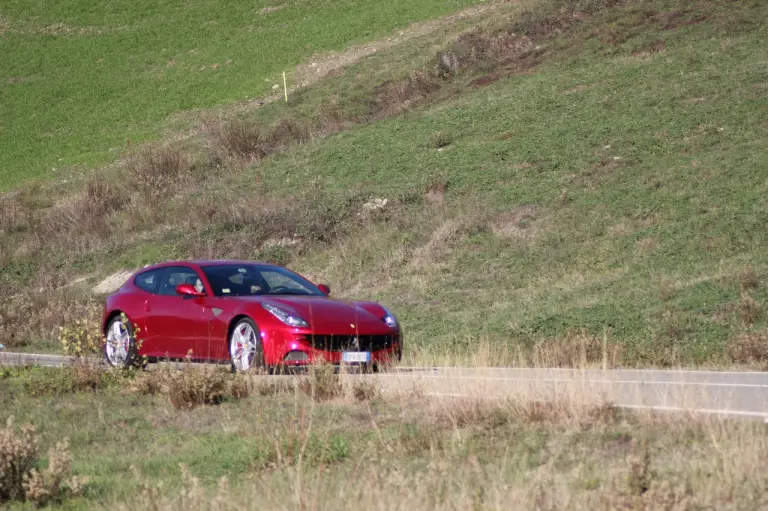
251	314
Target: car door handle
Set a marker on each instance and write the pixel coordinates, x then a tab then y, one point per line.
147	308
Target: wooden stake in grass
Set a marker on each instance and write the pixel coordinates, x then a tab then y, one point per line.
285	88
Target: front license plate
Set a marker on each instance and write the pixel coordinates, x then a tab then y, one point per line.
351	357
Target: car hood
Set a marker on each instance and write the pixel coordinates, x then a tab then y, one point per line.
329	316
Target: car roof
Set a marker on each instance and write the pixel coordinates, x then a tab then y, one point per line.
202	262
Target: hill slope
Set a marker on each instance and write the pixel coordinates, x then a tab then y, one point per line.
79	78
592	165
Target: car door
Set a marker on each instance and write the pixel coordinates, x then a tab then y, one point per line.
148	282
180	323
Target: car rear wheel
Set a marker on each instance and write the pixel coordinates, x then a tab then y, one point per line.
120	346
245	347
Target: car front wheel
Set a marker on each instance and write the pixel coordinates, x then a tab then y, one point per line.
245	347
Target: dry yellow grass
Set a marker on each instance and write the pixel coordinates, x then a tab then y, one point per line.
476	455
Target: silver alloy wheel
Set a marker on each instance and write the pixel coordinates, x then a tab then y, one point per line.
118	343
243	345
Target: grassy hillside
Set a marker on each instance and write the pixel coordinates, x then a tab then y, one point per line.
79	78
590	169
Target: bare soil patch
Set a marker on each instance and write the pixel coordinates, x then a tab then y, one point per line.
516	224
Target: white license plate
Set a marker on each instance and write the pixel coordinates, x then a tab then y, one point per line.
350	357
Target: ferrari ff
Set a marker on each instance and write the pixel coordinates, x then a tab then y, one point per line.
252	315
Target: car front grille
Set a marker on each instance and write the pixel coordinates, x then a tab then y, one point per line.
347	342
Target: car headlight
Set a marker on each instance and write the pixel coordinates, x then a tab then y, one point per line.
389	319
284	316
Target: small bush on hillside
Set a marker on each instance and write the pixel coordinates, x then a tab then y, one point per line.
241	139
400	95
157	172
88	212
20	480
247	140
555	16
749	348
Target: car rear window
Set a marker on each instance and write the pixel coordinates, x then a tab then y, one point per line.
148	280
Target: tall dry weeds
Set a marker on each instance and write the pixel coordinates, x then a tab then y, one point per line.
157	172
246	140
576	349
323	383
192	387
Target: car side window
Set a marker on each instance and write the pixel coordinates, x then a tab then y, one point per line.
176	275
149	280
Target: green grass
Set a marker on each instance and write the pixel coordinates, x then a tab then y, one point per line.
613	180
81	78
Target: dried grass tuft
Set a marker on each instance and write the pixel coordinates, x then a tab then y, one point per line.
191	388
577	349
750	348
158	172
365	390
20	479
323	382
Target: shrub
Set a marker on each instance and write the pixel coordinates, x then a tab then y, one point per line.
87	213
401	95
149	384
749	348
440	139
241	139
191	387
323	382
156	172
18	456
20	480
83	336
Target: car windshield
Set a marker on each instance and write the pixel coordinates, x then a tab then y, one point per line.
254	280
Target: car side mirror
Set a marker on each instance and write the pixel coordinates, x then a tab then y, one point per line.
188	290
325	288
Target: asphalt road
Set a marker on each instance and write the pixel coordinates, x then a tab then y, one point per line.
725	393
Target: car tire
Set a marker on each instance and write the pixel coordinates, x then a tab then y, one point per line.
245	348
120	348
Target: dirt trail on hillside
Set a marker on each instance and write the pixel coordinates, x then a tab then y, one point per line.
321	65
